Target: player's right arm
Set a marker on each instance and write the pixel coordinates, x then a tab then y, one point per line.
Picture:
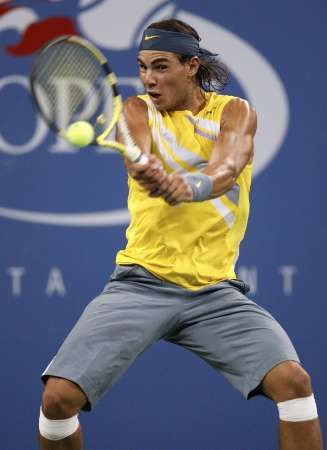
152	173
136	114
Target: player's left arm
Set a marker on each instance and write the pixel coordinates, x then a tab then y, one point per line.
234	147
232	151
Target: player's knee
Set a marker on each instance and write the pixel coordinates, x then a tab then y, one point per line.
297	382
289	385
61	399
287	381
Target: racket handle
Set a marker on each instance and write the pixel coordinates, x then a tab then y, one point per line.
141	159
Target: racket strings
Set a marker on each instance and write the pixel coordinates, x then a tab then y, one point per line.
71	81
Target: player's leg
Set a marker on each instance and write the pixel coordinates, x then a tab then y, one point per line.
59	428
289	385
114	329
247	345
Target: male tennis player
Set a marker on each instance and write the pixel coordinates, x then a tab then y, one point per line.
175	279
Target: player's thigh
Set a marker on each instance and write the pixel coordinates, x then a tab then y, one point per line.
237	337
113	330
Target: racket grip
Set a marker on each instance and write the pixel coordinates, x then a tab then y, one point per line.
141	159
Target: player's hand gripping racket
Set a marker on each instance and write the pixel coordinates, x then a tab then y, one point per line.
72	83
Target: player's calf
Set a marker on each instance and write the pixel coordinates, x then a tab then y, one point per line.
289	385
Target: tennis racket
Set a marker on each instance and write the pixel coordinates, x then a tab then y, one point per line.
72	81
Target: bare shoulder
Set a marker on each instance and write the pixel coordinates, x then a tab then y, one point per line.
135	105
239	113
238	104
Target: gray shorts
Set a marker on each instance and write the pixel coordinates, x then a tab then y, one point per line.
218	323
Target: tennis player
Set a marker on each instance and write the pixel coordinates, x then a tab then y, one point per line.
175	279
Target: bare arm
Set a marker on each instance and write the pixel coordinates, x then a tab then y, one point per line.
232	151
234	147
136	114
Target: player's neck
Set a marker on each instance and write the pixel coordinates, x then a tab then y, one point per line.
195	101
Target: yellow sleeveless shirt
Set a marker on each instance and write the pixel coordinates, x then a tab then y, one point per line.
193	244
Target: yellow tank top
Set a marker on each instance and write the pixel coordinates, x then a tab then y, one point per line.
193	244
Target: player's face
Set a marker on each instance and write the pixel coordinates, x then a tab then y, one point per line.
168	82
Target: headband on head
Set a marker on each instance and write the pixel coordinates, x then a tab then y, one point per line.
169	41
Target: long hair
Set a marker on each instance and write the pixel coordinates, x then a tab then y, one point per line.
213	74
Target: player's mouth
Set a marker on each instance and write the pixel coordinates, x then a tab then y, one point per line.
154	96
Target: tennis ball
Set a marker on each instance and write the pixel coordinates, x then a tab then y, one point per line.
80	133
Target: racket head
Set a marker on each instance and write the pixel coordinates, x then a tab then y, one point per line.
72	81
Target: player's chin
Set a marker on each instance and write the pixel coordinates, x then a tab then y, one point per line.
162	103
165	107
159	103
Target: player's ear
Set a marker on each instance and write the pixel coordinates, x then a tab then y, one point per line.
193	66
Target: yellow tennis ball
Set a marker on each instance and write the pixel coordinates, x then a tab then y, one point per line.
80	133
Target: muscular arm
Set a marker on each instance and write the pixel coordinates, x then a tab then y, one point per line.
234	147
136	114
232	151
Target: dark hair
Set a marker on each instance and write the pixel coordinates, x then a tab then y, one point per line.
213	74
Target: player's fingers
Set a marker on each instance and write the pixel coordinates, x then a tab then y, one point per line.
144	171
174	197
160	183
153	172
179	192
169	185
152	184
153	164
164	184
172	188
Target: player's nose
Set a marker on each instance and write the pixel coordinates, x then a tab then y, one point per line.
149	79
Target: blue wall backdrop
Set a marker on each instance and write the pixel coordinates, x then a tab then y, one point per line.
63	217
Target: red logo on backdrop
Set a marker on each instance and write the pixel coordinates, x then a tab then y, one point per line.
38	33
5	8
